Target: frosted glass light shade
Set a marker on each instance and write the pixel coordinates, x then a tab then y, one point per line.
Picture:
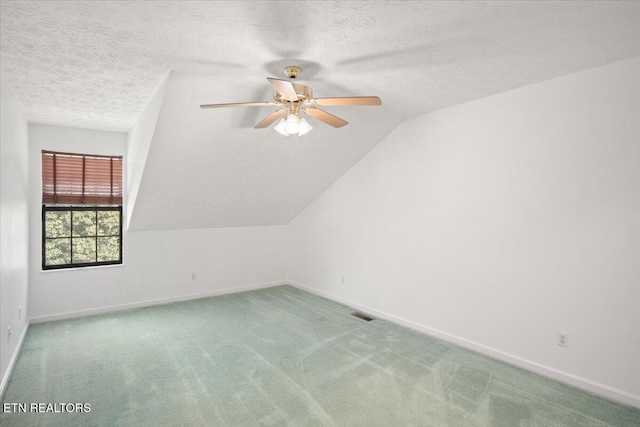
281	128
304	127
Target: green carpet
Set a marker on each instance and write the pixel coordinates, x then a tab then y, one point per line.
278	356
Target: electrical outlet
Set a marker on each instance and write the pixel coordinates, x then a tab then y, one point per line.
342	280
193	276
563	339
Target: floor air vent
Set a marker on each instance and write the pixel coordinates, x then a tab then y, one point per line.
362	316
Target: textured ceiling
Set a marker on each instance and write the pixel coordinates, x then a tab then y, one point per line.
97	64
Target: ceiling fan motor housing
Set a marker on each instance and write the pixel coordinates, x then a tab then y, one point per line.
304	94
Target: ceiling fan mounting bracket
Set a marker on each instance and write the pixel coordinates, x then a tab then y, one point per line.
292	71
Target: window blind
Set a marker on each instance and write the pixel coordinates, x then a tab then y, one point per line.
81	179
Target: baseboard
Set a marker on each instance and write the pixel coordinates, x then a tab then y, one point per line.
12	362
148	303
594	387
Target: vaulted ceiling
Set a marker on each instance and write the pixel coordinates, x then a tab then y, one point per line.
97	64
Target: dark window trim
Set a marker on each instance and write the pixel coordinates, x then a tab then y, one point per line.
47	208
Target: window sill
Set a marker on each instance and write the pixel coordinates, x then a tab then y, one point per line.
92	267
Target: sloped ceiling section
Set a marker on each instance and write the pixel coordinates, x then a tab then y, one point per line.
97	64
138	143
206	169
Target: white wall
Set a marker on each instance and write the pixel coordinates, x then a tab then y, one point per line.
14	230
157	264
496	223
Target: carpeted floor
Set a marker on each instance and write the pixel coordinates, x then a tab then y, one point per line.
277	356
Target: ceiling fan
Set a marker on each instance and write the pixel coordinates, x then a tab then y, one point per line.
297	99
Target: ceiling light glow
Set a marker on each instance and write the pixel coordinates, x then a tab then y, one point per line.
292	125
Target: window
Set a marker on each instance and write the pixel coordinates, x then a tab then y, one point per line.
81	236
81	210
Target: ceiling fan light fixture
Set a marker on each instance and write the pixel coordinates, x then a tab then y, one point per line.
292	125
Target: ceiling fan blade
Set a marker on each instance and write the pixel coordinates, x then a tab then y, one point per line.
270	119
323	116
239	104
284	88
349	100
